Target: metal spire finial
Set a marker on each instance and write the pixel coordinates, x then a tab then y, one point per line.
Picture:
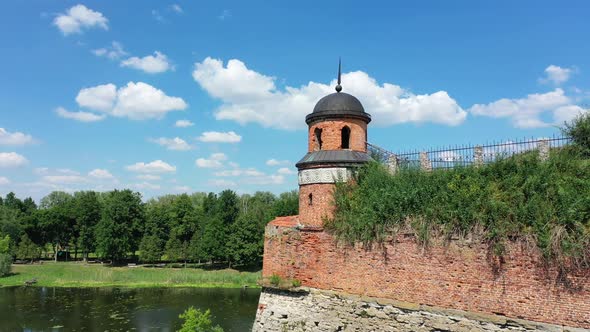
339	87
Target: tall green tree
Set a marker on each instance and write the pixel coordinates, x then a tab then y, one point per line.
157	219
29	206
27	249
57	224
184	225
11	222
119	229
246	239
150	249
5	257
12	202
287	204
57	220
213	242
55	198
87	211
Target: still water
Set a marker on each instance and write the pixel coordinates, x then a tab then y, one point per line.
120	309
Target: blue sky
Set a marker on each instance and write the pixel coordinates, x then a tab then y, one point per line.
182	96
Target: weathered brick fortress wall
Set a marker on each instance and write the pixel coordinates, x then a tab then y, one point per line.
453	276
322	206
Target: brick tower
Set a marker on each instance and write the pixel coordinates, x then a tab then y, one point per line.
337	139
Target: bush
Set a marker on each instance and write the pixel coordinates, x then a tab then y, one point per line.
579	131
275	279
5	264
520	196
197	321
296	282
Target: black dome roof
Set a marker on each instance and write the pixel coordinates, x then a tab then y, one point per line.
339	101
338	105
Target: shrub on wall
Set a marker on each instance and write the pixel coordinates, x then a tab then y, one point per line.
518	197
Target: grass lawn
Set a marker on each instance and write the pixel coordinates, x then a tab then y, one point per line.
76	274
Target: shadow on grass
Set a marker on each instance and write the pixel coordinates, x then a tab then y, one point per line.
10	274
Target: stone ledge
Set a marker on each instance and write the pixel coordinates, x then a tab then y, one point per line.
481	317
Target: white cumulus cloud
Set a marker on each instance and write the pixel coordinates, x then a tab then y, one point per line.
182	189
222	183
275	162
15	138
99	173
176	143
99	98
146	185
149	177
239	172
220	137
527	112
64	179
142	101
4	181
183	124
113	52
557	75
156	166
12	159
214	161
136	101
255	177
79	116
285	171
249	96
151	64
567	113
79	17
176	7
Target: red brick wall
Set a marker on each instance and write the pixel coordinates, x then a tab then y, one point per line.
453	276
322	206
332	138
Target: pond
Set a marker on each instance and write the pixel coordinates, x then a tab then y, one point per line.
121	309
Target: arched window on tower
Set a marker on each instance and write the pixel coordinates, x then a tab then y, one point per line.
318	139
345	134
310	198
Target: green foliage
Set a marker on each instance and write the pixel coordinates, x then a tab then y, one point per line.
150	249
200	227
275	279
27	249
287	204
5	257
119	230
296	282
73	274
197	321
5	264
55	198
10	222
87	211
4	244
12	202
579	131
515	197
212	244
245	245
177	250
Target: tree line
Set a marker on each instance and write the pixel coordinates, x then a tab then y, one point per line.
117	225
